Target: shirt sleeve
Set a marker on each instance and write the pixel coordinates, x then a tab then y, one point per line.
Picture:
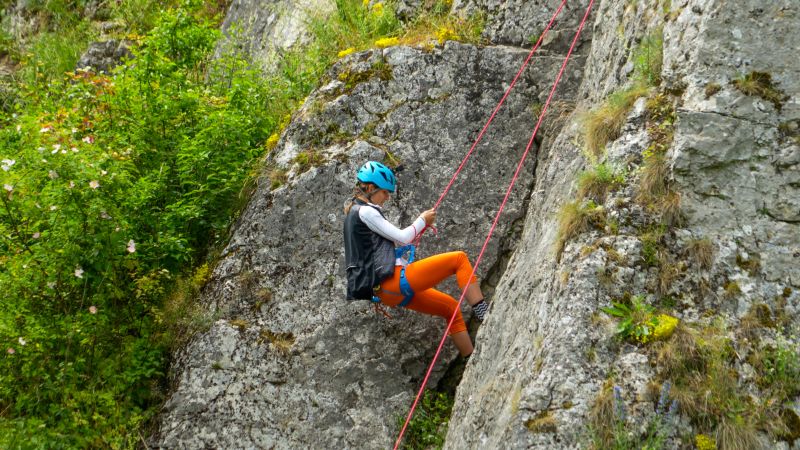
375	221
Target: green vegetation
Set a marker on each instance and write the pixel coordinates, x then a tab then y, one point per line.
428	428
118	189
118	186
701	363
577	217
639	321
595	183
759	84
655	191
603	124
609	427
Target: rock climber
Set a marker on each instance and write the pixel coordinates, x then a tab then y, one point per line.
377	266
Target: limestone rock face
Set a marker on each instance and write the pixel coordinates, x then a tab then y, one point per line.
520	22
104	56
263	28
546	350
291	364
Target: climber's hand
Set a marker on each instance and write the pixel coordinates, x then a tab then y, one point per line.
429	216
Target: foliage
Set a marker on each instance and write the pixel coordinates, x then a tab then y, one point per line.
778	367
704	442
428	427
610	427
701	361
648	59
596	182
356	25
638	320
114	188
604	123
138	16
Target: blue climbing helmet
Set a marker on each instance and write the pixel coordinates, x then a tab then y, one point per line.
377	174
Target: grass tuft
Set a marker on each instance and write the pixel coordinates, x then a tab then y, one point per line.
595	183
575	218
701	251
737	433
711	89
544	422
281	342
604	124
759	84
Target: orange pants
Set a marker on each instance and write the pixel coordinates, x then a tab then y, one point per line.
423	275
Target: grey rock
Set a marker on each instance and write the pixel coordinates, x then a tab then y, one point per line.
348	372
263	29
301	368
727	162
104	56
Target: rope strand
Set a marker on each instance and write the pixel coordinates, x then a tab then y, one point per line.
494	223
499	105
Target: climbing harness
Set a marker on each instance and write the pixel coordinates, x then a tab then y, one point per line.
502	205
405	287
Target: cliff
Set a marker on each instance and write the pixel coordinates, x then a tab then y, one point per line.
699	222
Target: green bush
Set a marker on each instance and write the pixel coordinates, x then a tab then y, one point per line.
428	428
112	187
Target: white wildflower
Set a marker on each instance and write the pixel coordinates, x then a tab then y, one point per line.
94	184
8	187
131	246
22	341
79	272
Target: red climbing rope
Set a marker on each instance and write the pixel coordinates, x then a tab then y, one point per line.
494	224
499	105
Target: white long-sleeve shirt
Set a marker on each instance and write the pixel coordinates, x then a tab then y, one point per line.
375	222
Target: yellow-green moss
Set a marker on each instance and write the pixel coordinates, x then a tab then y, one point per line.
544	422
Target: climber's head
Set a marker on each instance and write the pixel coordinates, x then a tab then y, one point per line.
378	175
375	182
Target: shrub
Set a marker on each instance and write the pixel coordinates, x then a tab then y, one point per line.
428	427
648	59
118	186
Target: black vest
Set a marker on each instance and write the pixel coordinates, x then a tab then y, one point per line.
369	257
